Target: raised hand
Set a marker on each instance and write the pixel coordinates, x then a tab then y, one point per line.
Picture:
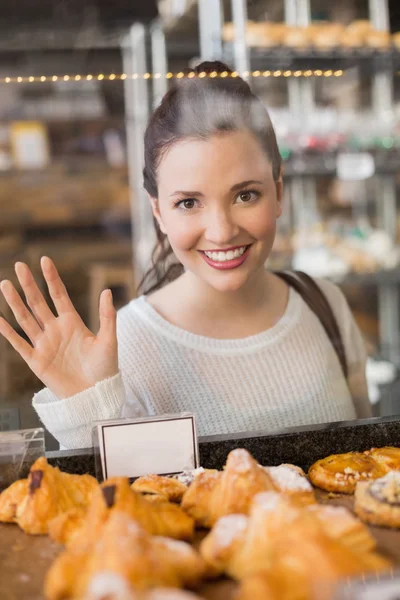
64	354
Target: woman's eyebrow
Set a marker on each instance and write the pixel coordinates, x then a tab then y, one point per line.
234	188
242	184
183	193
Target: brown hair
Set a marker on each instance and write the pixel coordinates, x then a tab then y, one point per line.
197	107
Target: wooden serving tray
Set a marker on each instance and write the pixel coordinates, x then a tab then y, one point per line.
24	559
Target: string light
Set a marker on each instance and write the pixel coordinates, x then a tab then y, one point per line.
179	75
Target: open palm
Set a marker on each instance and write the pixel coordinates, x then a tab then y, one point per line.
65	355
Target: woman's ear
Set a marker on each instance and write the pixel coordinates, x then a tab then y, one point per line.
156	213
279	193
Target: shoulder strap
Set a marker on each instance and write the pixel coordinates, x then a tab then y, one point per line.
316	300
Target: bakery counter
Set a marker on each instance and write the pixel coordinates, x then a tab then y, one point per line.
300	445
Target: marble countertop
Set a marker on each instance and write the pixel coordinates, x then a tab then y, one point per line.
301	445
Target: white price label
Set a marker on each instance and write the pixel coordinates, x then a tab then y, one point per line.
355	167
134	447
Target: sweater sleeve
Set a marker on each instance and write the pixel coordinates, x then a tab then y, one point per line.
354	345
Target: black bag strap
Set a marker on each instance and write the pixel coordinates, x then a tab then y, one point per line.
316	300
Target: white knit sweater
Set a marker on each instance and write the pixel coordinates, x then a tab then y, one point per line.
286	376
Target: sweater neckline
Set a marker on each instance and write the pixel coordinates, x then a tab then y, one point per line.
220	346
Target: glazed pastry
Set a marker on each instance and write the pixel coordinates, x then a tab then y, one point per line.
292	480
170	489
378	502
11	498
123	549
388	456
215	494
157	518
46	493
341	472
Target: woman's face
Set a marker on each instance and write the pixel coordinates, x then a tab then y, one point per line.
218	204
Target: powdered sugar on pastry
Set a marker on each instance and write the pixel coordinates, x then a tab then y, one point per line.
187	477
228	528
242	460
107	584
288	479
267	500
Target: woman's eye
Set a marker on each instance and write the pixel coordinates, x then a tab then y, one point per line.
248	196
187	204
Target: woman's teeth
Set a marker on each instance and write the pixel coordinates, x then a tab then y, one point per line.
224	256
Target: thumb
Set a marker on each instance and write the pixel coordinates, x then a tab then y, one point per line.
108	317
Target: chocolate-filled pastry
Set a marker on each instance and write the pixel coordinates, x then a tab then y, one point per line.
156	485
341	472
64	528
11	498
123	549
215	494
116	495
50	493
47	493
378	502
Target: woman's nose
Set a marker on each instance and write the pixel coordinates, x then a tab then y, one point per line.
221	229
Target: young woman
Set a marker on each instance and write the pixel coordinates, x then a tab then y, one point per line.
215	332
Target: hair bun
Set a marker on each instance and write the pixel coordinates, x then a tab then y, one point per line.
212	66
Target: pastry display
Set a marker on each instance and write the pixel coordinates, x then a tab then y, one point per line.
123	549
165	487
47	493
215	494
268	533
378	502
341	472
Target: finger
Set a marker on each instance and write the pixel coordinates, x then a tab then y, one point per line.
16	341
108	317
22	315
33	295
58	291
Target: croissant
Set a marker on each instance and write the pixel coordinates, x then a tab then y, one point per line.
114	588
115	494
66	526
47	492
307	567
124	550
215	494
292	481
11	498
244	546
166	487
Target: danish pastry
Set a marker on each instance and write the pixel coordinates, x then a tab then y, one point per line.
125	550
215	494
378	502
341	472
